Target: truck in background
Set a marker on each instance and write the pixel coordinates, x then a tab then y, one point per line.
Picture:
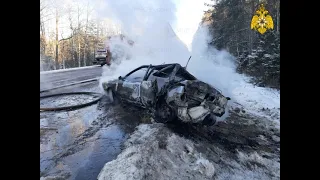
102	55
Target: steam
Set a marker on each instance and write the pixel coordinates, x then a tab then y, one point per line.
212	66
148	24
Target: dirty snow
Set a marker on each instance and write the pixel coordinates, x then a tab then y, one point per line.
68	100
252	166
154	152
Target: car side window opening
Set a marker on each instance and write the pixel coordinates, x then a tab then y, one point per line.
136	76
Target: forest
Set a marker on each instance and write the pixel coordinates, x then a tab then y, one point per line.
258	55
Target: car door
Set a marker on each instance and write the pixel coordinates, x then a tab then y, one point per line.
129	88
130	91
134	89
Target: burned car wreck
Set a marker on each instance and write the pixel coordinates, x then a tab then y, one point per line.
170	92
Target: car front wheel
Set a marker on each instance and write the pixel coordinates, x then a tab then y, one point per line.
164	113
109	96
209	120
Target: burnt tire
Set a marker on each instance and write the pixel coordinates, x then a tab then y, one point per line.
209	120
164	113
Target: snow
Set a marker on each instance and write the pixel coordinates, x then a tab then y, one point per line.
259	101
70	69
205	167
252	57
267	55
71	100
155	152
255	159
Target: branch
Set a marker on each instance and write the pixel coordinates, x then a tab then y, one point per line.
242	29
65	38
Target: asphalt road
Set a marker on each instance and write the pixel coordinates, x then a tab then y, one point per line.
59	78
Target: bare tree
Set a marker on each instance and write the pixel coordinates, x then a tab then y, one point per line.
78	33
42	30
57	40
86	37
78	46
70	10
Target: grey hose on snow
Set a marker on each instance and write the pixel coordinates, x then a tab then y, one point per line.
70	107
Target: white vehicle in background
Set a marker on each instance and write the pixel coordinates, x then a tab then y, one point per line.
101	54
100	57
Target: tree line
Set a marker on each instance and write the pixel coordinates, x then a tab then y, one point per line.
258	55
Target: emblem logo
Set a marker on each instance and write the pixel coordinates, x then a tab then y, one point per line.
261	21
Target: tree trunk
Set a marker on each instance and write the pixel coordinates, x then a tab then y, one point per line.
72	49
42	38
79	53
63	58
238	54
86	38
57	42
251	32
84	55
79	46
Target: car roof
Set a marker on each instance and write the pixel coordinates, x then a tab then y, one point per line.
163	66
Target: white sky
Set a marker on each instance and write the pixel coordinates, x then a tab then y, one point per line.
188	16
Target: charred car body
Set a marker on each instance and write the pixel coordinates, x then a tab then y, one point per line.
170	92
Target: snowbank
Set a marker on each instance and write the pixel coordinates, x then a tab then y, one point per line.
70	69
259	101
154	152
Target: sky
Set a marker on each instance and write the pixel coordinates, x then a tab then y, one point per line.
188	16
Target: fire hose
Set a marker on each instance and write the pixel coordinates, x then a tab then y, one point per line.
72	107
